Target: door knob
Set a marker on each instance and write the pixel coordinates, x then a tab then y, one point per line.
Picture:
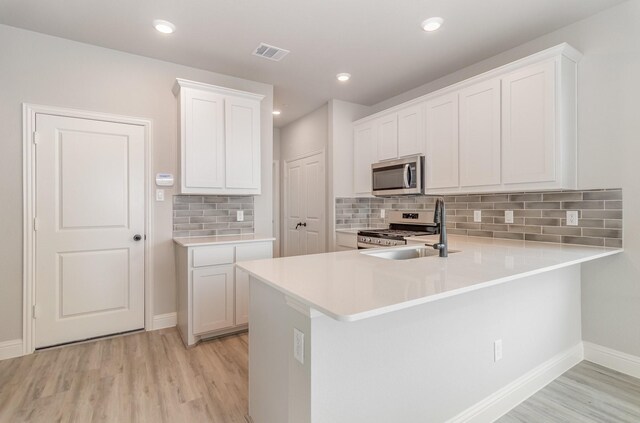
137	237
298	225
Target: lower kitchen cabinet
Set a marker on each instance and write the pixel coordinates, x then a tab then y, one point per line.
346	240
212	295
213	298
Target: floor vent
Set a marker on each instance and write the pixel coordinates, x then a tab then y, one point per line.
270	52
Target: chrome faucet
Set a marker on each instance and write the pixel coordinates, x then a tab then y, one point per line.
440	217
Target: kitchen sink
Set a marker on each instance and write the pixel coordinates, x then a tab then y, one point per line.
406	253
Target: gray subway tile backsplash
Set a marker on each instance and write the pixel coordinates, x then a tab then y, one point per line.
209	215
538	216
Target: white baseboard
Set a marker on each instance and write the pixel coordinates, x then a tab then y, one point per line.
504	400
163	321
612	359
11	349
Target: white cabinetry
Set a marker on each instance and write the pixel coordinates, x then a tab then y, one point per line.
387	131
512	128
480	134
411	131
213	296
528	124
442	142
364	154
219	140
346	241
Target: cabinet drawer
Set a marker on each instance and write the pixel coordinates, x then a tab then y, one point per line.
253	251
212	255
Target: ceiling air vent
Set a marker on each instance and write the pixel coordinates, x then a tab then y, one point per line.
270	52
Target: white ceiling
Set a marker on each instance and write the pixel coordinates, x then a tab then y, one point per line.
379	42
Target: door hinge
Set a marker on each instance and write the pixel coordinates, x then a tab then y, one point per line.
36	137
35	311
36	223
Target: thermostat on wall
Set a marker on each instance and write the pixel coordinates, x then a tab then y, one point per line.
164	180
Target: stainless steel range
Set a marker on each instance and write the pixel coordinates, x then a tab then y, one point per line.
402	224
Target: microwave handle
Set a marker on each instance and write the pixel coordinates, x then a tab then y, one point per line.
407	175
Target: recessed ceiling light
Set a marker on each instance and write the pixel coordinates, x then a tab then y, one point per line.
276	112
165	27
343	77
432	24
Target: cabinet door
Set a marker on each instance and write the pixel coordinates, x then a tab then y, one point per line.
246	252
528	125
242	144
480	134
411	131
442	142
203	140
212	298
387	128
364	154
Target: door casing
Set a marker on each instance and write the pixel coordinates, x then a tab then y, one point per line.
29	112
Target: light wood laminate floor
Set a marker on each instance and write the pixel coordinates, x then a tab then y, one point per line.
587	393
143	377
151	377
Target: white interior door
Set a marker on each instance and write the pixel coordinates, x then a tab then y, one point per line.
305	206
89	206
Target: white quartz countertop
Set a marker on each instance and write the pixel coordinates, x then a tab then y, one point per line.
221	239
350	286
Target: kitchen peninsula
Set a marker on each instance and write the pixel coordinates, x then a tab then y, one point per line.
349	337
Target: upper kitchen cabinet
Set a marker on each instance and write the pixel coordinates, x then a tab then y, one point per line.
480	134
442	142
411	131
512	128
387	137
400	134
219	140
364	154
535	147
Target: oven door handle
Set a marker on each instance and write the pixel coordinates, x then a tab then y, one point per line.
407	175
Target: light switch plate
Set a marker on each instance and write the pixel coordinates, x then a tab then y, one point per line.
240	215
572	218
298	345
477	215
383	213
159	195
508	216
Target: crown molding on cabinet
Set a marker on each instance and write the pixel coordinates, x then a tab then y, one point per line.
185	83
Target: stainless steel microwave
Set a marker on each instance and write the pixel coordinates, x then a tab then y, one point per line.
403	176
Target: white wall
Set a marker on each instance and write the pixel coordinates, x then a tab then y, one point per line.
305	135
340	153
46	70
609	148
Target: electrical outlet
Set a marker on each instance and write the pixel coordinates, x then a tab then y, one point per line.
298	345
497	350
508	216
159	195
477	215
240	215
383	213
572	218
